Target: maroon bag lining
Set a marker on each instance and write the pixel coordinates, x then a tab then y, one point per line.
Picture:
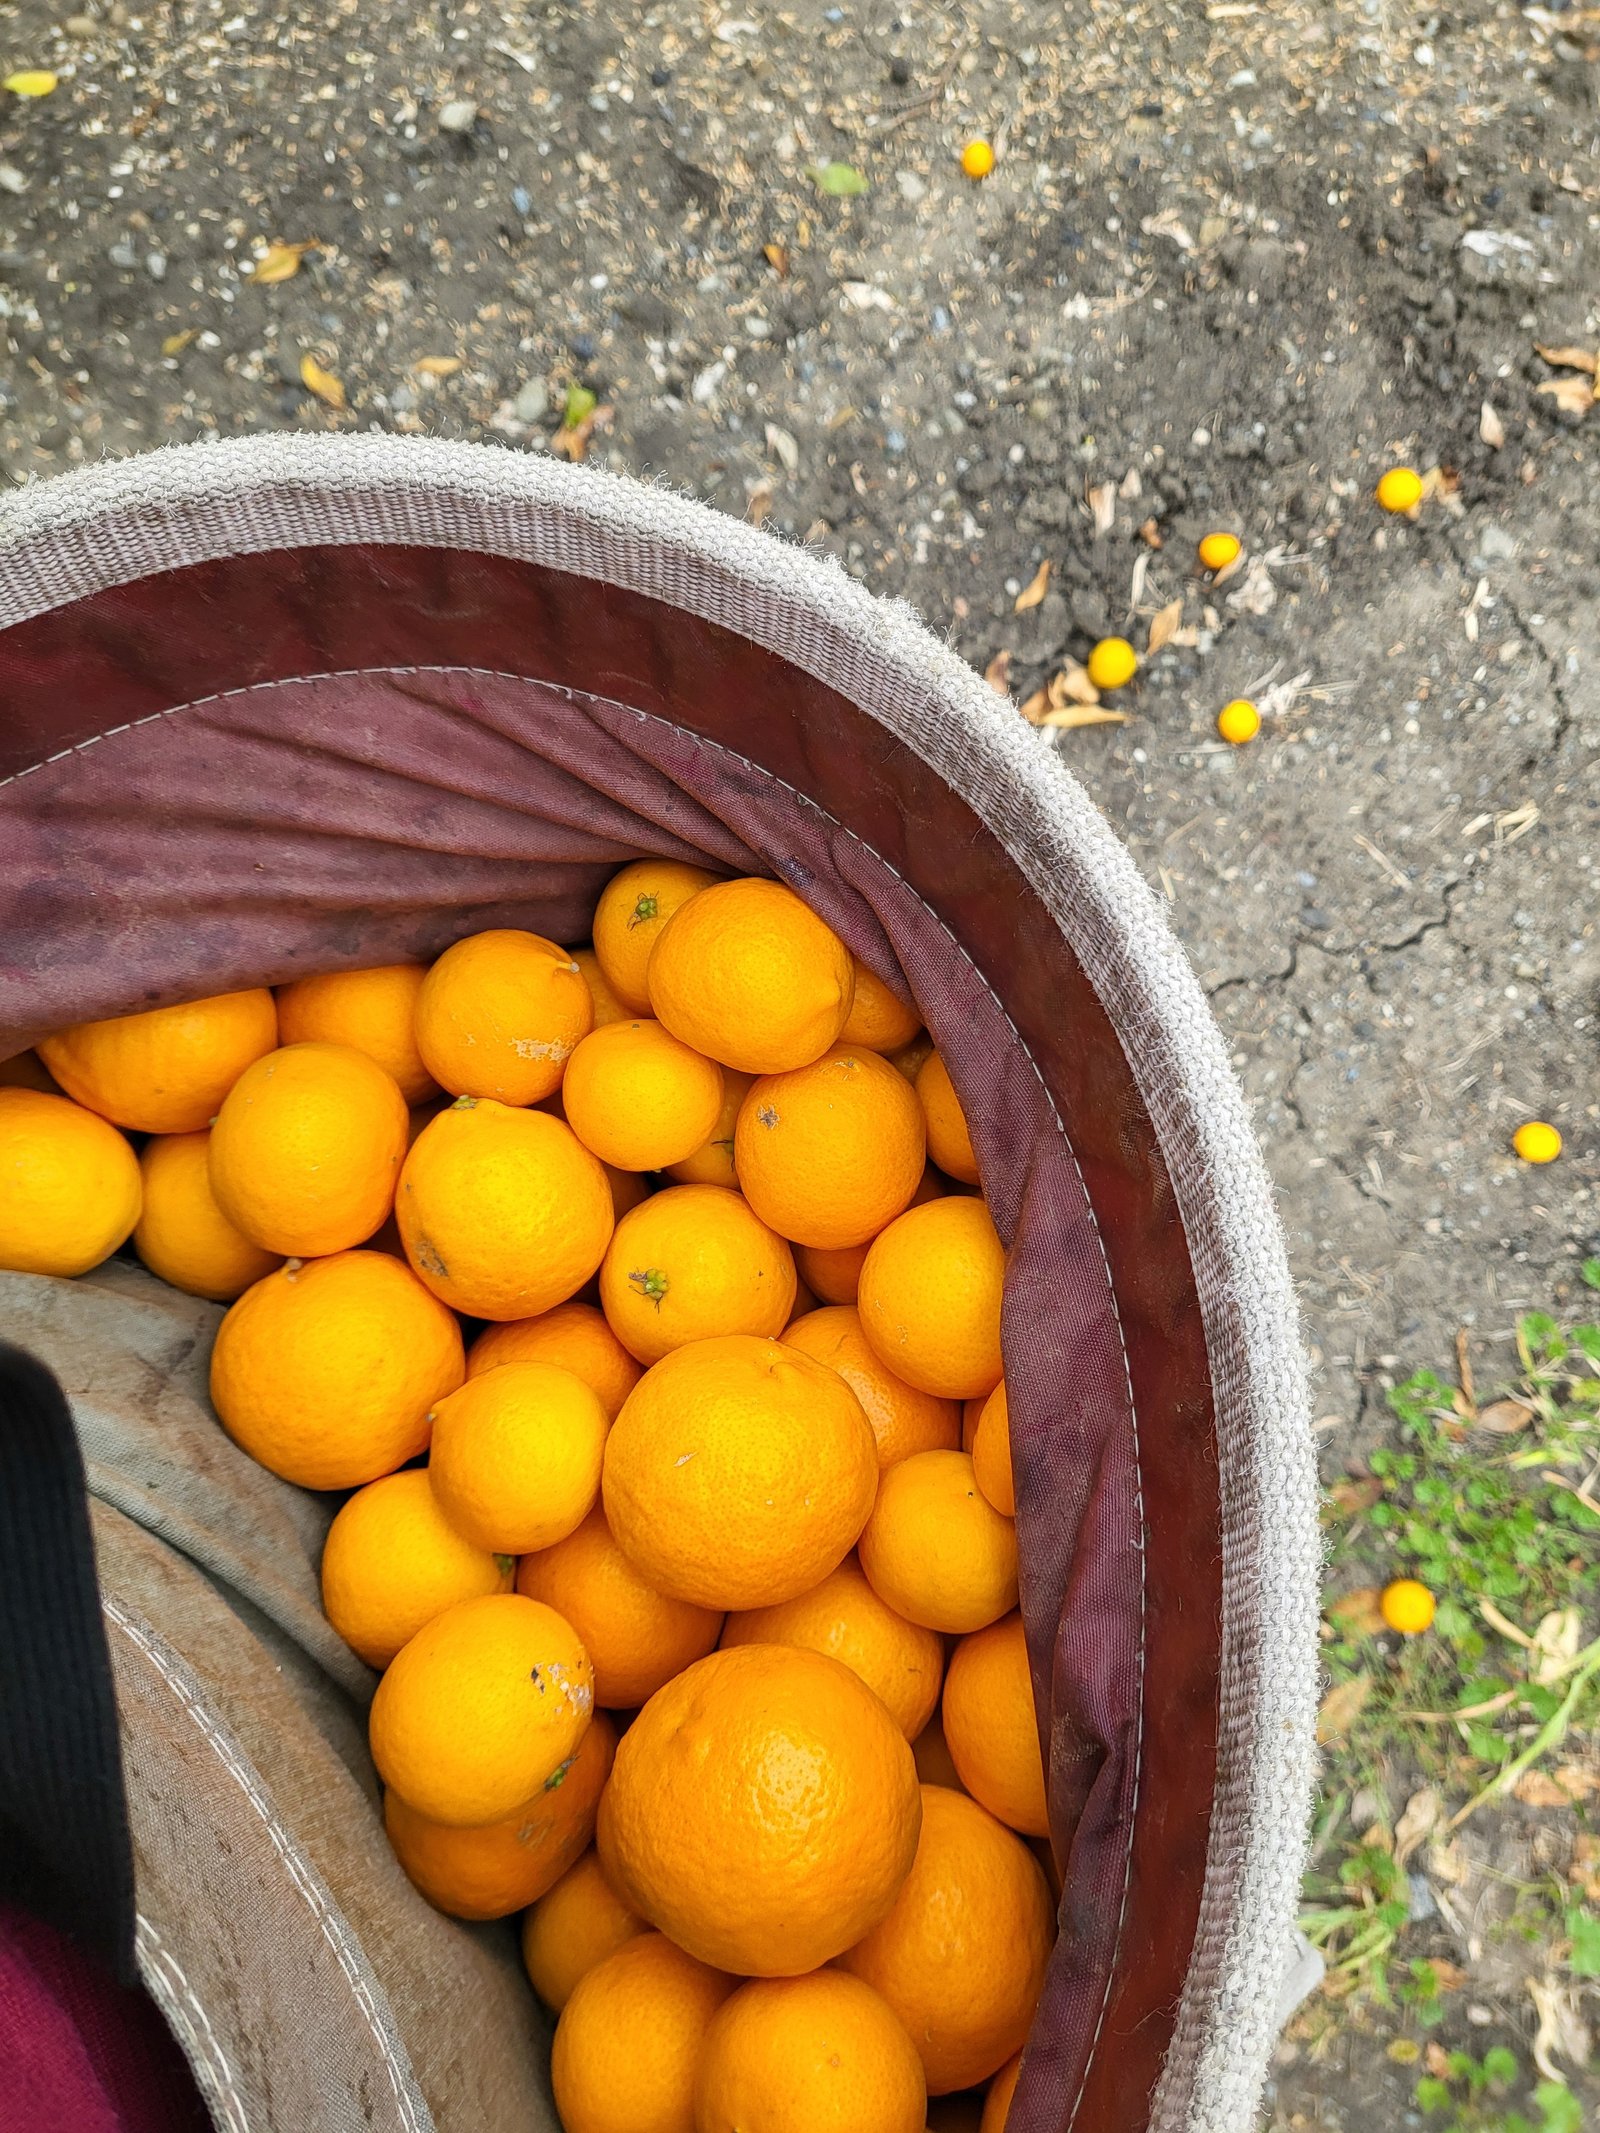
318	815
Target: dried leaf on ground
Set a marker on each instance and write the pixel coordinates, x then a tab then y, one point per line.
281	262
1103	506
782	446
1258	595
1085	715
1359	1612
1150	534
1034	591
1341	1707
1562	2031
1351	1498
838	180
1490	428
176	343
1504	1417
1072	686
438	366
1570	394
1034	707
1584	1872
758	504
1570	358
571	441
777	257
327	388
1448	1976
1563	1787
1164	626
1555	1645
1420	1818
1449	1863
998	673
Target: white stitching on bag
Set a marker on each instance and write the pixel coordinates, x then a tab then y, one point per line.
245	1780
700	740
151	1944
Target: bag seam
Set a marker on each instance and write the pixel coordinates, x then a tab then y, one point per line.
197	2047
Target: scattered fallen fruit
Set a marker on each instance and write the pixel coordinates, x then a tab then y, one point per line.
1239	722
1537	1142
1218	550
977	159
1407	1606
1112	664
1400	490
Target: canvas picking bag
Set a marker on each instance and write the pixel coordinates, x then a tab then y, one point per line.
296	704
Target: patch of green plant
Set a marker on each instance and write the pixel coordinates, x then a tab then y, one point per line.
1466	2097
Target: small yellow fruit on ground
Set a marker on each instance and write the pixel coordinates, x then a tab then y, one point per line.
503	1213
607	1007
763	1810
690	1264
637	1638
930	1297
1400	490
712	1162
576	1925
902	1419
1112	664
375	1010
977	159
1537	1142
949	1140
516	1456
307	1148
392	1561
325	1373
817	2054
1218	550
990	1727
991	1452
499	1867
576	1336
167	1070
1239	722
748	974
638	1098
481	1709
630	2038
936	1549
182	1234
1407	1606
69	1185
878	1018
499	1015
997	2104
900	1662
961	1956
739	1473
830	1153
931	1753
631	917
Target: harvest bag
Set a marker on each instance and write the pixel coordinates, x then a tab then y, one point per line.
296	704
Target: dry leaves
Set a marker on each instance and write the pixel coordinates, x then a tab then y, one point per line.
1573	395
1570	358
1562	2030
281	262
1103	506
1421	1818
1034	591
1164	626
1584	1872
438	366
1504	1417
1490	428
781	444
998	673
1150	534
1564	1786
1341	1707
322	383
777	257
1359	1612
176	343
1070	699
1351	1498
571	441
1555	1646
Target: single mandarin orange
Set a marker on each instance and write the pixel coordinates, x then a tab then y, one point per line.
834	1276
991	1452
692	1263
306	1149
325	1372
1400	490
931	1753
630	2038
182	1235
997	2104
26	1070
607	1007
908	1058
1239	722
977	159
516	1455
949	1142
878	1018
374	1010
481	1708
748	974
572	1927
712	1162
1218	550
829	1153
168	1069
936	1549
1112	664
503	1213
991	1728
1407	1606
499	1015
902	1419
961	1955
817	2054
1535	1141
631	917
576	1336
70	1190
763	1810
494	1868
901	1663
392	1561
804	1302
636	1637
738	1473
930	1294
639	1098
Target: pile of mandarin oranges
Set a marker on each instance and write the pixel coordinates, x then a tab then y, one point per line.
641	1302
